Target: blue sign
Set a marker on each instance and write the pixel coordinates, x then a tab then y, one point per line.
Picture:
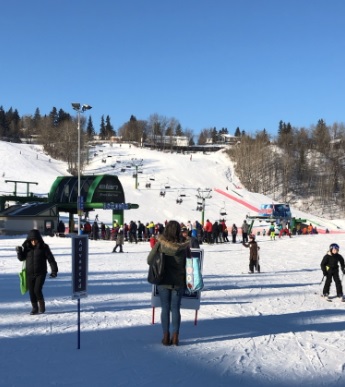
80	263
80	203
116	206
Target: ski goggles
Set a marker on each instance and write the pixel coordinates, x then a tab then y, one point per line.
334	246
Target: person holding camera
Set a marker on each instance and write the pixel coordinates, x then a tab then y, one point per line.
36	253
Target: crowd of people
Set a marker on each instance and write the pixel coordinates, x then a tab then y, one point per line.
209	232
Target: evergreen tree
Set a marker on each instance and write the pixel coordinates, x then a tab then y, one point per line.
102	130
214	135
54	117
90	131
179	131
63	116
36	121
237	132
109	130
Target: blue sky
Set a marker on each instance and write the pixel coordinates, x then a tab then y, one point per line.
219	63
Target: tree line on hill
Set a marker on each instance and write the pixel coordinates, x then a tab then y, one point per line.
303	166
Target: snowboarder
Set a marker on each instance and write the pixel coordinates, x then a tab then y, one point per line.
330	268
253	254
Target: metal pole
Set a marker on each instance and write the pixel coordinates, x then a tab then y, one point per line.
136	177
78	323
78	200
203	212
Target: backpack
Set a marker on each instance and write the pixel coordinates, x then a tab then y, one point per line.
194	279
156	269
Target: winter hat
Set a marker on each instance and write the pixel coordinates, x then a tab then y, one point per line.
34	234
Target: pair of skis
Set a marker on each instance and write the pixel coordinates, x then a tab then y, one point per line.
327	298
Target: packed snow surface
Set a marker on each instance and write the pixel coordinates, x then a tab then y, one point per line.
265	329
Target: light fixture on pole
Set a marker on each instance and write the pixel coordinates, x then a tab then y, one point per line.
80	202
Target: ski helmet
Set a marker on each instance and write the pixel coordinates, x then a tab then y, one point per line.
252	236
334	246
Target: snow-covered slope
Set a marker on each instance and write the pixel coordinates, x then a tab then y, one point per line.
174	173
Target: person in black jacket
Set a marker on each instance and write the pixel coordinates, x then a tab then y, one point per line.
330	268
36	253
173	285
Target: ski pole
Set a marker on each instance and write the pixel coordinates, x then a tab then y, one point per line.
323	279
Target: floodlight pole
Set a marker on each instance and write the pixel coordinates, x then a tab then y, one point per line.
80	204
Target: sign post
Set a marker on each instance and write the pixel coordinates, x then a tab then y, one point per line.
80	267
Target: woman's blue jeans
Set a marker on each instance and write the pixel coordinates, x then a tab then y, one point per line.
170	301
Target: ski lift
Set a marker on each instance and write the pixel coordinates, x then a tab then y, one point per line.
123	170
134	175
162	193
152	178
148	185
167	185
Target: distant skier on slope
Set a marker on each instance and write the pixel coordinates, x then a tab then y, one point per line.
330	268
253	254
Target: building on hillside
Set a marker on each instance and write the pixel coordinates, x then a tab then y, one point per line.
20	218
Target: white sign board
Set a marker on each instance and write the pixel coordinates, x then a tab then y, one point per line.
189	300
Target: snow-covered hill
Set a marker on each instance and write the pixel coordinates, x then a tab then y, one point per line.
177	175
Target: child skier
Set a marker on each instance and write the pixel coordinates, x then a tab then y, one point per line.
272	232
330	268
253	254
119	241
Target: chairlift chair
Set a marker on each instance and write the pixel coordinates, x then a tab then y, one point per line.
223	211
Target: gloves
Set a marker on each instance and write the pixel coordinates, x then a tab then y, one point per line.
53	275
19	249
